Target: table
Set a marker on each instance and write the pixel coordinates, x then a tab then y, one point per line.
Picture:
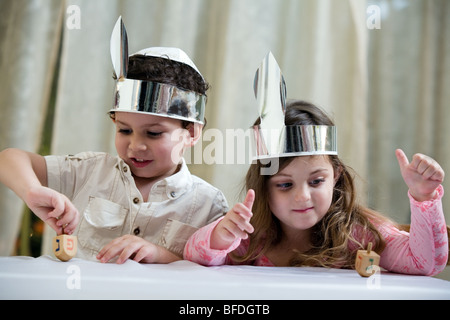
48	278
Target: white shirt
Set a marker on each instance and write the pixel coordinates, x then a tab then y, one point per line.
103	190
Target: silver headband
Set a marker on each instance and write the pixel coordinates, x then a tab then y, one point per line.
159	99
149	97
274	139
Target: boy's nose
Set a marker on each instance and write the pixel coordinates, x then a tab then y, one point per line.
137	144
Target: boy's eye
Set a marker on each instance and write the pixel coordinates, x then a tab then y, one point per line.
154	134
125	131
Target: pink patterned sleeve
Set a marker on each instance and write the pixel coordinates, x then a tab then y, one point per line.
198	247
422	251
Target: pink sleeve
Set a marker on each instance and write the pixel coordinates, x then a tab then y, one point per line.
198	247
424	250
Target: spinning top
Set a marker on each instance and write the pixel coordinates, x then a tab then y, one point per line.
366	260
65	247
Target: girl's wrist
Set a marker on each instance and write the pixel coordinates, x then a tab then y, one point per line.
420	197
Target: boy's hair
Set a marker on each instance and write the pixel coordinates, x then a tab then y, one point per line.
164	70
336	230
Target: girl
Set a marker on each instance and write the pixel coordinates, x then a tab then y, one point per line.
306	215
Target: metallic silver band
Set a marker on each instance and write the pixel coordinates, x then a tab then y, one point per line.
295	141
159	99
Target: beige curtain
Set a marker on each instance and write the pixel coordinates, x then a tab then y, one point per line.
409	94
384	79
29	40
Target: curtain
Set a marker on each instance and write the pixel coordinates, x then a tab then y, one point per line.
29	41
408	100
380	68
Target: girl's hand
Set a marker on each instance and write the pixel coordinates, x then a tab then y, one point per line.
137	249
236	224
423	175
53	208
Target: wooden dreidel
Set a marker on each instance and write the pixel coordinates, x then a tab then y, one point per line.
65	247
367	261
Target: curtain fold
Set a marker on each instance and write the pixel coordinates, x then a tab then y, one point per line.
408	97
29	42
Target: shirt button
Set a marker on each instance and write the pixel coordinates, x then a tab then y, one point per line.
173	194
136	200
125	169
136	231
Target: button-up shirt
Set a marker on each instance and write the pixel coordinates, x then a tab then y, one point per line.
102	188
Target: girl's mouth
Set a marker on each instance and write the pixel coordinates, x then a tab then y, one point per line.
306	210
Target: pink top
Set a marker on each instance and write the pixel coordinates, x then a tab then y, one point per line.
423	251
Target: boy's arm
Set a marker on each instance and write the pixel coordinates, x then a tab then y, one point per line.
26	174
21	170
137	249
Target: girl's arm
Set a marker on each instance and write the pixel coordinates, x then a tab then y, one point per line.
424	250
198	247
211	244
26	174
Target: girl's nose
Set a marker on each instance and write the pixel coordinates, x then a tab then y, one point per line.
302	194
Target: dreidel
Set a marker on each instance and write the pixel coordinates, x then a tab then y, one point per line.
367	261
65	247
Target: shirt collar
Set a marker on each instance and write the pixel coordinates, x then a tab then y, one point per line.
178	183
174	185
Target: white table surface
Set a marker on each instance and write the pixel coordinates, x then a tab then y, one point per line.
48	278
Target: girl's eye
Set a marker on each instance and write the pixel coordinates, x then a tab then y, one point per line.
284	186
317	182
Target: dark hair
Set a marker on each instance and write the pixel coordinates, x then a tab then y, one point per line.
300	112
167	71
164	70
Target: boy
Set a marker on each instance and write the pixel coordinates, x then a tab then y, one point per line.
143	204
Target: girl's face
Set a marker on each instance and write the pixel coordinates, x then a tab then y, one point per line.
152	146
301	193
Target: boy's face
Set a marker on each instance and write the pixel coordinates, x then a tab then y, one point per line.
152	146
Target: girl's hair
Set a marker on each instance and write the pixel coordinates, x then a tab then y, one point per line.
332	235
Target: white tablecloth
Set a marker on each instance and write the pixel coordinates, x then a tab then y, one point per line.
47	278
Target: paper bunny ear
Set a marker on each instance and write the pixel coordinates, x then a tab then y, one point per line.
149	97
270	93
119	50
272	138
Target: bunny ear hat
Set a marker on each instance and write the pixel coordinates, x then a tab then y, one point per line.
150	97
274	139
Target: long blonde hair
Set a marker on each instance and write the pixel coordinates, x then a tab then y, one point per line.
332	236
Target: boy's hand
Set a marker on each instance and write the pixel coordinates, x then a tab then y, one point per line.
138	249
53	208
236	224
423	175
